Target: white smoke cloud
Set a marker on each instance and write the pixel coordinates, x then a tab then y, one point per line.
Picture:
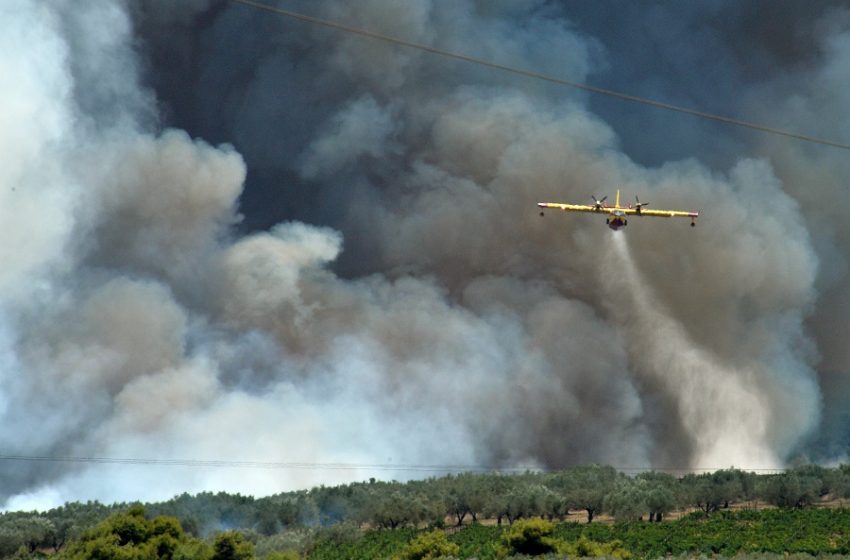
138	322
814	99
363	129
35	199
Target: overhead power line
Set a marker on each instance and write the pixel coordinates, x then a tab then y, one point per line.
298	465
538	75
215	463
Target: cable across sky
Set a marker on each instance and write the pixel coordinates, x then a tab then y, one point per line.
316	466
538	75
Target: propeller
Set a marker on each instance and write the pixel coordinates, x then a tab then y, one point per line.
639	204
598	203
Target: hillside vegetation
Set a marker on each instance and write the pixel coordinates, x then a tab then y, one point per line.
583	511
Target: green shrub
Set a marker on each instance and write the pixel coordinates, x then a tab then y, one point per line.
232	545
586	548
131	536
298	541
531	537
282	555
193	549
429	546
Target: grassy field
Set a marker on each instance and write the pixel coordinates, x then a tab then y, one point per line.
773	531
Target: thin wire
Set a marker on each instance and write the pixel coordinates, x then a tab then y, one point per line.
255	464
539	75
200	463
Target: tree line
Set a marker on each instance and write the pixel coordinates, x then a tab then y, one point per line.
458	500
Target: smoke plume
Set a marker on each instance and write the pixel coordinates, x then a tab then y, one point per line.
298	245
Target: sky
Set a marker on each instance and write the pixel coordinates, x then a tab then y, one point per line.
233	236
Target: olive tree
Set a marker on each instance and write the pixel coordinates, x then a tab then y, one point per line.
587	486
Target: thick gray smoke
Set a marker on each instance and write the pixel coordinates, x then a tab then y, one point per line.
358	274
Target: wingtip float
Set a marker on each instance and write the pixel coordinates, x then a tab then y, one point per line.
616	216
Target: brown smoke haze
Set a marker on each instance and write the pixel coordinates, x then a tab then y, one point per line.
230	236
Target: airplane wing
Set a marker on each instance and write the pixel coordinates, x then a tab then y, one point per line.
660	213
616	215
575	207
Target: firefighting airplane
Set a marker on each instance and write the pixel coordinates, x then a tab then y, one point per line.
617	216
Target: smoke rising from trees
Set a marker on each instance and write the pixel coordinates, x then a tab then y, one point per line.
298	245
